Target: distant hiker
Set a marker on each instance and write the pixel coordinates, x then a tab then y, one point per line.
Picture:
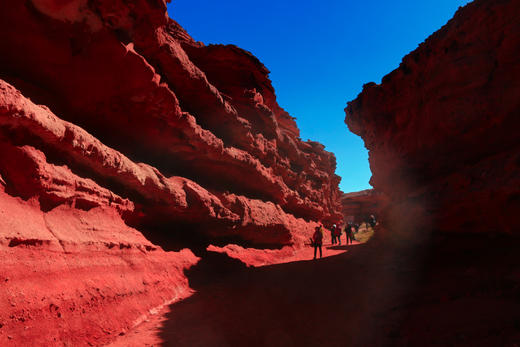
317	240
333	235
372	220
337	233
349	235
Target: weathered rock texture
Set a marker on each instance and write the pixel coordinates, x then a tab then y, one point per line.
120	135
442	134
442	129
358	206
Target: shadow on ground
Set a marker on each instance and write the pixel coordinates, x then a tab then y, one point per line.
327	302
377	294
343	247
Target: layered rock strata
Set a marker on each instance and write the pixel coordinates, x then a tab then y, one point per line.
120	137
207	114
78	274
442	129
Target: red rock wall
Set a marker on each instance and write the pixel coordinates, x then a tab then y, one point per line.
442	129
121	136
135	81
358	206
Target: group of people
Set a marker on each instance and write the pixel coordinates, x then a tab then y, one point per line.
335	235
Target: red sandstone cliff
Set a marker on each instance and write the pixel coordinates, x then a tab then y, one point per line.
120	136
358	206
442	129
443	141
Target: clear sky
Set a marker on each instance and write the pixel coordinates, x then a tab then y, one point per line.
320	53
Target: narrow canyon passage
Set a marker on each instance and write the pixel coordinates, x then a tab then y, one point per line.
154	192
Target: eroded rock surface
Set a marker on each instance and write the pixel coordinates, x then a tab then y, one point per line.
358	206
120	137
442	129
442	134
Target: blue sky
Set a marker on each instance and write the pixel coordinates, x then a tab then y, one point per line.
320	53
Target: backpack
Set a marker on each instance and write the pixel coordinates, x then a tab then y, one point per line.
318	236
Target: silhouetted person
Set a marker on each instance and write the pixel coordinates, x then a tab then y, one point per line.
317	240
349	234
372	220
337	234
333	235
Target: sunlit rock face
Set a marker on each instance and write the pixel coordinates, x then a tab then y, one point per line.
121	136
357	207
442	129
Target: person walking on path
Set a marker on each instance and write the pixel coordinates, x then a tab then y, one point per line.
333	235
317	240
372	220
349	235
337	233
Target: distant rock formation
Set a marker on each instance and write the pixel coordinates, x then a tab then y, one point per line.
120	137
358	206
442	129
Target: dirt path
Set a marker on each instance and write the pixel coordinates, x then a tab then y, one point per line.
326	302
386	292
